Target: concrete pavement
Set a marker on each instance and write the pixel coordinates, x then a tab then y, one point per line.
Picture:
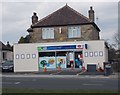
66	73
59	76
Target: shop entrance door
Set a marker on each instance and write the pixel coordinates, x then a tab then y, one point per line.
78	59
70	59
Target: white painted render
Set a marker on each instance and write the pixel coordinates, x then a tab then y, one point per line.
29	64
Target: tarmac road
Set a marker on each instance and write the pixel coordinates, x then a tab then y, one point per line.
59	82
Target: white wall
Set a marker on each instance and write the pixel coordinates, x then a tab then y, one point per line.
97	49
27	65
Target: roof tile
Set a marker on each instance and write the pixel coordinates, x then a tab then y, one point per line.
64	16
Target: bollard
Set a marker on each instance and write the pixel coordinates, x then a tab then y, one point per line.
45	69
83	68
72	67
59	68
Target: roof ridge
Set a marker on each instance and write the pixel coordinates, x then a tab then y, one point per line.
79	13
61	9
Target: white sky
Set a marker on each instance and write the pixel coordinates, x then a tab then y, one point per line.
15	16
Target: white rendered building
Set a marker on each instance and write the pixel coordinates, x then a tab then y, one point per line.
34	56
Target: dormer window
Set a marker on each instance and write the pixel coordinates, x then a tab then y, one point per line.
47	33
74	32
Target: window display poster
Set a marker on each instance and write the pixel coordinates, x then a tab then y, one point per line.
61	61
48	61
71	55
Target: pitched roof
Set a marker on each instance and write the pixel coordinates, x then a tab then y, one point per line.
64	16
4	47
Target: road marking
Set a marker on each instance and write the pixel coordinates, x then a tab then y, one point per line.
93	84
17	83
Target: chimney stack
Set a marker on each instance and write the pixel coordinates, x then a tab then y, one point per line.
91	14
34	18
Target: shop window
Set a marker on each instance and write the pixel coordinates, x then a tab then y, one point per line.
47	33
47	59
33	56
74	32
28	56
17	56
61	58
22	56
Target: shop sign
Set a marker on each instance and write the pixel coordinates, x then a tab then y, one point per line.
62	47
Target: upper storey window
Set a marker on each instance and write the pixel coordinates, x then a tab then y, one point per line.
47	33
74	32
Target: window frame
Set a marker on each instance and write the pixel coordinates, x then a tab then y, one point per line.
96	54
28	56
33	56
17	56
22	56
74	32
86	54
101	53
48	33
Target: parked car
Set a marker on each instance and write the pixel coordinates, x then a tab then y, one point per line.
7	66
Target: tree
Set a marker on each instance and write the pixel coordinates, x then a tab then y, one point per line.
117	39
24	39
27	39
21	40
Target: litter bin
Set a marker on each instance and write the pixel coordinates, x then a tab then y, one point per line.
108	70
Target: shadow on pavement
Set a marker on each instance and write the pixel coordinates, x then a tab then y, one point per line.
92	73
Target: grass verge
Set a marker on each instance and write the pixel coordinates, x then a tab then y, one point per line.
26	90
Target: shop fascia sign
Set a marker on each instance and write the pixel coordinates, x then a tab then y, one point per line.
62	47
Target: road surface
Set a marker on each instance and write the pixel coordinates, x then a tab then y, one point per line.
61	83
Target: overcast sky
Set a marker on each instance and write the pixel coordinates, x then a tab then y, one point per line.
16	17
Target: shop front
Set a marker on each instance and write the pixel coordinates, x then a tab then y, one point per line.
35	56
65	56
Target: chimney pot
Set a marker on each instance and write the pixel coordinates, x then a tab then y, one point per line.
91	14
34	18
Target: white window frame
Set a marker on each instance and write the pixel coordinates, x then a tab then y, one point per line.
33	56
100	53
47	33
28	56
96	53
86	54
91	54
74	32
17	56
22	56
